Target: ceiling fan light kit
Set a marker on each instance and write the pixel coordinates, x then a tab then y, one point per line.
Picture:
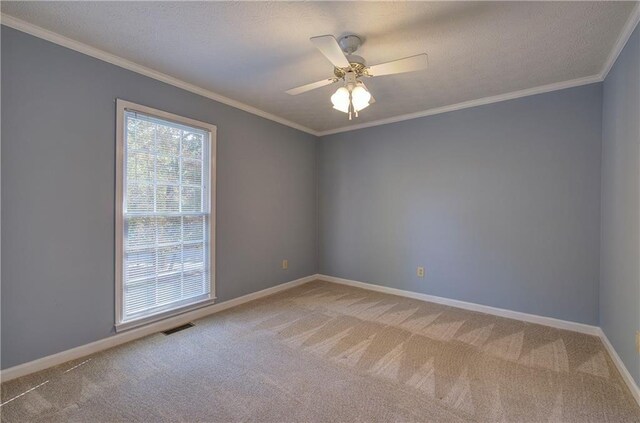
351	98
350	68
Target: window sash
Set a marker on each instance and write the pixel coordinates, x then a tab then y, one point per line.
170	303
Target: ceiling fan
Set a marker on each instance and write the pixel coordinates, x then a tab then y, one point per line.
354	96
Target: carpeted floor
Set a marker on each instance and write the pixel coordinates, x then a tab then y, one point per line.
329	353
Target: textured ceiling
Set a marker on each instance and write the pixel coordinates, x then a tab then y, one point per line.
254	51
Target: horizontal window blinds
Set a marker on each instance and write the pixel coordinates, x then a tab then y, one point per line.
166	210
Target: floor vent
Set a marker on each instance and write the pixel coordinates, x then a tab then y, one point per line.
178	328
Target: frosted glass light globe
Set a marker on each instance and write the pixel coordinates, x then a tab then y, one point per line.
340	100
360	98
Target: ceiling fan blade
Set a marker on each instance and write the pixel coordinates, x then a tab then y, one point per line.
309	87
331	49
408	64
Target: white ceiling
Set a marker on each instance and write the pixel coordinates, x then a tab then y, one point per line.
253	51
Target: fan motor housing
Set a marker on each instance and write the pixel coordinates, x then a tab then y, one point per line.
358	65
349	44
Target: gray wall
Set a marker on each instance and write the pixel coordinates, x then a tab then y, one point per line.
501	203
58	148
620	253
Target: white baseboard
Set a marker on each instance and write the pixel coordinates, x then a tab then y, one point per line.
624	372
121	338
531	318
526	317
130	335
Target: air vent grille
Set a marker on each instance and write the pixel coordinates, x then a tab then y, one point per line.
178	328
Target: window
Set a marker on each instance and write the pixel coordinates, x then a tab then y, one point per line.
165	202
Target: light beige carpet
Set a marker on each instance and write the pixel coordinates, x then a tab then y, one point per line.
329	353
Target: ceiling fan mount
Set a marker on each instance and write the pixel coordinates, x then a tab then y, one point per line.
349	43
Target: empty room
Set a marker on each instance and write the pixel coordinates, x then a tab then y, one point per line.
320	211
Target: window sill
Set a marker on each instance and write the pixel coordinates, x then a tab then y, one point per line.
134	323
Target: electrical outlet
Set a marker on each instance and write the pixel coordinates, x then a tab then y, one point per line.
285	264
638	341
420	272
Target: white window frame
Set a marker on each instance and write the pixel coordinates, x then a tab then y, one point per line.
121	107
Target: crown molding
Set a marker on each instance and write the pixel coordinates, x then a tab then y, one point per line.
55	38
626	32
472	103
